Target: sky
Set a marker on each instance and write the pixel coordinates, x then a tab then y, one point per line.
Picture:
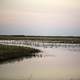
40	17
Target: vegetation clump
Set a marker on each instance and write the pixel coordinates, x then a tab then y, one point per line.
8	52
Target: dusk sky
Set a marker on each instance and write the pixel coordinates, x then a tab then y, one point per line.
40	17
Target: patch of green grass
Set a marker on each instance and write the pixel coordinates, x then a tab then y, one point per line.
14	52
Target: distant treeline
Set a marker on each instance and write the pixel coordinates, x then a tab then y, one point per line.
35	36
62	39
39	36
12	36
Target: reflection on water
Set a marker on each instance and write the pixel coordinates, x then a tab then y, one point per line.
19	58
53	63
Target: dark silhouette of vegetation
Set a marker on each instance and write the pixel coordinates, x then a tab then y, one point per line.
8	53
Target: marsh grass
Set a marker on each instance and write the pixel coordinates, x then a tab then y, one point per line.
8	52
60	39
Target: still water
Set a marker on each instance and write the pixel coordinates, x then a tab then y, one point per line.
57	63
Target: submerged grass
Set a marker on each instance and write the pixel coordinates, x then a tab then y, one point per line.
8	52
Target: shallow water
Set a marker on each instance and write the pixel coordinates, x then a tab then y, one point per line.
57	63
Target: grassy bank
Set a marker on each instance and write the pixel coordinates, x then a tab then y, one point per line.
61	39
15	52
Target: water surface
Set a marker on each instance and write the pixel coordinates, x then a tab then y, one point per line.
56	63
